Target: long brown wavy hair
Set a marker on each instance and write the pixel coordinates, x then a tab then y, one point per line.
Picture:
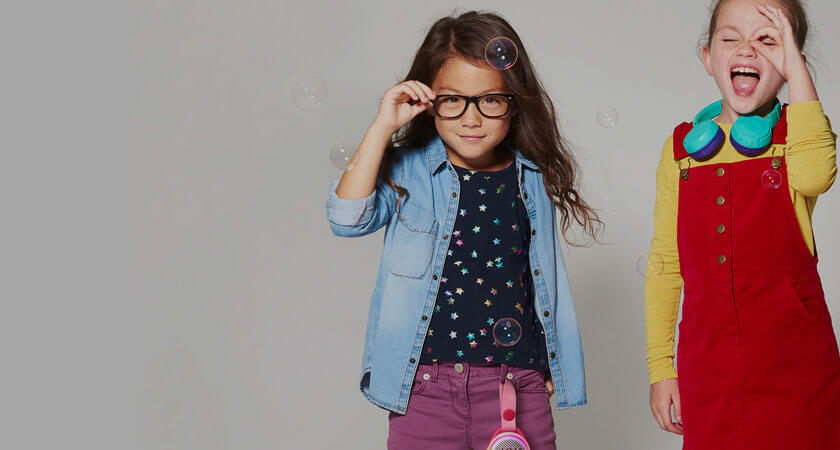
534	129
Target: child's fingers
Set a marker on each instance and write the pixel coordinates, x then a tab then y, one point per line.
662	413
427	94
427	90
779	20
402	93
761	49
767	32
412	91
677	408
658	410
675	428
762	9
418	108
671	426
658	420
424	97
770	15
787	28
416	93
781	17
657	416
766	49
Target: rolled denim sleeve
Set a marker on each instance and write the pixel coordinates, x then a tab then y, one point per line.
361	216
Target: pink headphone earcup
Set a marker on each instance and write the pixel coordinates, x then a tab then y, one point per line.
508	440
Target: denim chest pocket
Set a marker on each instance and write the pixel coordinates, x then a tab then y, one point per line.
415	235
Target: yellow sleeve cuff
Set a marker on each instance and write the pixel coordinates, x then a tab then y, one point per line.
663	375
806	119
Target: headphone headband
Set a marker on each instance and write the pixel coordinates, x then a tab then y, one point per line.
750	135
709	112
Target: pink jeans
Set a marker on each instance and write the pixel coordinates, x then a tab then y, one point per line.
455	406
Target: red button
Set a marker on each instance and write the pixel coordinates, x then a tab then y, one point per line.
509	414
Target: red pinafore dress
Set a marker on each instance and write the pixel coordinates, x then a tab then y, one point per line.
757	356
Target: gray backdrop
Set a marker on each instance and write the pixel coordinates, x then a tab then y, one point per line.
169	278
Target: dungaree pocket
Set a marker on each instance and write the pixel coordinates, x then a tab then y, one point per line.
810	298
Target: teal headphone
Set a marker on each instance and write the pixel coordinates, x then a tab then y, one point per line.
751	135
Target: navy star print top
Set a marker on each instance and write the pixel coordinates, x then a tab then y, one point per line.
486	280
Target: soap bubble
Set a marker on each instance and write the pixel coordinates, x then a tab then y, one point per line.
771	179
607	117
341	154
309	92
650	265
501	53
507	332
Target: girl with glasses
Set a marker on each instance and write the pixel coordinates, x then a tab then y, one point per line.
464	166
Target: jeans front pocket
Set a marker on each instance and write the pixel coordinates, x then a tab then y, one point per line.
529	380
422	378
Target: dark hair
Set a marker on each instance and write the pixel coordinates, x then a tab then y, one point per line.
534	129
795	13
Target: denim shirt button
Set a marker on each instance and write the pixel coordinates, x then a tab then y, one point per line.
412	359
546	313
537	272
434	277
454	194
553	355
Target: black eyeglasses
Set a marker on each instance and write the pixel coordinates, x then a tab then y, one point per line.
491	106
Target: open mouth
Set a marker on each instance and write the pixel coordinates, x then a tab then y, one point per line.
744	79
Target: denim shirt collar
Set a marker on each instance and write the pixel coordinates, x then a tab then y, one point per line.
436	154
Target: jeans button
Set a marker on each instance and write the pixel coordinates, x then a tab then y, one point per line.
459	368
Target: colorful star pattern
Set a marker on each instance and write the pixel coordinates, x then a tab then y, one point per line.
471	319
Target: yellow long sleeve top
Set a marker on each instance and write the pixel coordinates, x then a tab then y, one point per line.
810	157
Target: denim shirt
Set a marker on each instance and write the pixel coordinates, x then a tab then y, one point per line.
416	241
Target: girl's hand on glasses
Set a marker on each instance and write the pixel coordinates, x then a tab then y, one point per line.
777	43
402	103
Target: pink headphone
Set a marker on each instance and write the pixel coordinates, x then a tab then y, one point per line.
508	437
